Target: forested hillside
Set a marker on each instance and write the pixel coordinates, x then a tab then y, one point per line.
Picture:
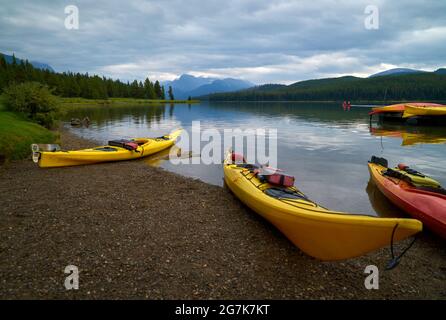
70	84
422	86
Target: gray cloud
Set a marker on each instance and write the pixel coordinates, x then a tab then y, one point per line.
258	40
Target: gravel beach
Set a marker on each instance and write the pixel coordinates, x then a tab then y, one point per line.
138	232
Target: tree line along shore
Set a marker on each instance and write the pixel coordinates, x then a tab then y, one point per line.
426	86
73	85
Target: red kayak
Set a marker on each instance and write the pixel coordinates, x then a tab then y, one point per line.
424	202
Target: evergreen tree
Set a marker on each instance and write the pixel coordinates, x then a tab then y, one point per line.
2	62
3	72
171	97
141	91
158	90
134	88
149	91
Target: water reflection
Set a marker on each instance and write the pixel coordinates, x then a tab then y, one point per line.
382	206
161	157
411	135
110	122
104	115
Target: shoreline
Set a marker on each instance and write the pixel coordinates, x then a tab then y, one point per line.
141	232
77	102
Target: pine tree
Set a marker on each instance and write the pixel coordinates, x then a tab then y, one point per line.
158	91
134	88
141	91
2	62
171	97
3	72
149	91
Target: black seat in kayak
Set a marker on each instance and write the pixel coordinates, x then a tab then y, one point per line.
283	193
396	174
381	161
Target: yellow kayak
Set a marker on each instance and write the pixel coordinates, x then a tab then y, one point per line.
400	107
412	111
130	149
317	231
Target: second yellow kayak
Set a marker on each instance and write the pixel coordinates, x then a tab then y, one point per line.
412	111
319	232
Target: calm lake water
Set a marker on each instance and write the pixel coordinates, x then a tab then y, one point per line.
323	146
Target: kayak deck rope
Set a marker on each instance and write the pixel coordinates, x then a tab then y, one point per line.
393	263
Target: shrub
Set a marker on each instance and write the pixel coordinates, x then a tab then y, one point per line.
34	100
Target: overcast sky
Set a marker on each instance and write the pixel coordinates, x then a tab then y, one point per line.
263	41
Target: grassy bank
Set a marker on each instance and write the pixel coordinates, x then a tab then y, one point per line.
67	102
17	134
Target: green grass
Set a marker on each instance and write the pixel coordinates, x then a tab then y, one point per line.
17	134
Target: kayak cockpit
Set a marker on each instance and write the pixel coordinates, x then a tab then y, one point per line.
140	141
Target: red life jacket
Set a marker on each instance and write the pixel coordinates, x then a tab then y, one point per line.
126	144
277	177
237	158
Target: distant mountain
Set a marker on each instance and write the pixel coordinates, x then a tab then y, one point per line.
38	65
396	71
223	85
188	85
393	87
187	82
